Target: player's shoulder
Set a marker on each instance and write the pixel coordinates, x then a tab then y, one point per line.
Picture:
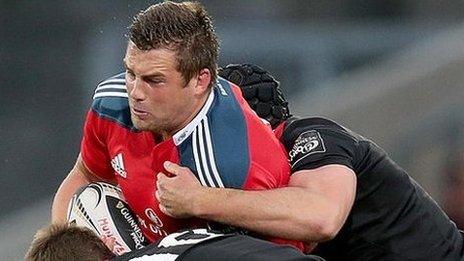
114	86
294	125
110	101
225	88
228	105
312	122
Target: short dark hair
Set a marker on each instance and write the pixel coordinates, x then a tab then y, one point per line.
67	242
182	27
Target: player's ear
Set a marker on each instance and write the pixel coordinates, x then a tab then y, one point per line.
203	81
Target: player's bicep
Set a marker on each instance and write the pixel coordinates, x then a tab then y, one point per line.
335	182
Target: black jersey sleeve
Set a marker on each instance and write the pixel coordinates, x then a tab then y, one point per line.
316	142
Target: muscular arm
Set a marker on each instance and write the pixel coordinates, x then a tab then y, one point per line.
79	176
312	208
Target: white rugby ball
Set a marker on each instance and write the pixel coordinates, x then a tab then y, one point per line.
102	208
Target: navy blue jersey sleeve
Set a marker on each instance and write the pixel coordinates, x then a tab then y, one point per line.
316	142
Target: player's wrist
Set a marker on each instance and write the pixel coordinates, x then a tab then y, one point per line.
200	202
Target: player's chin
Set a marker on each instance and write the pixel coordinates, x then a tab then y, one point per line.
140	124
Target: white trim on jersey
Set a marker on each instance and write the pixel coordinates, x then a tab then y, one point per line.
157	257
111	86
204	156
116	81
111	94
118	87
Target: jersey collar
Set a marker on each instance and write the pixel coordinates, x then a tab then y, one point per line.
185	132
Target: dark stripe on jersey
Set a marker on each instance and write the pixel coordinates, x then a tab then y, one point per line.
186	152
191	235
112	107
115	109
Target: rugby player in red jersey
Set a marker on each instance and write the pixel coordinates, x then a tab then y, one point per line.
170	105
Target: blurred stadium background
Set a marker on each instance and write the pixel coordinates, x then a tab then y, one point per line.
392	70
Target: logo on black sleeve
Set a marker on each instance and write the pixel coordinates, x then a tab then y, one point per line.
307	143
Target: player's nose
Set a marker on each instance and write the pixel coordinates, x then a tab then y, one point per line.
137	91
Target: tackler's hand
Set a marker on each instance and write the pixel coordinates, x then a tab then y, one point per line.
176	194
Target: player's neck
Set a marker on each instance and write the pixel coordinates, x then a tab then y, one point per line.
192	113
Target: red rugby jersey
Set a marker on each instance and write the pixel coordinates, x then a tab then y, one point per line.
225	145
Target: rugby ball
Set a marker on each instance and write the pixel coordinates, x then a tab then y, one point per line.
102	208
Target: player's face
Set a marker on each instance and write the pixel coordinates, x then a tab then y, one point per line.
159	98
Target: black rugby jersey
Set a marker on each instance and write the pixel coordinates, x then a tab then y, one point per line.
392	218
172	246
207	245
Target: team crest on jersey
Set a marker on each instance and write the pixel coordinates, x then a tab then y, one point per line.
307	143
